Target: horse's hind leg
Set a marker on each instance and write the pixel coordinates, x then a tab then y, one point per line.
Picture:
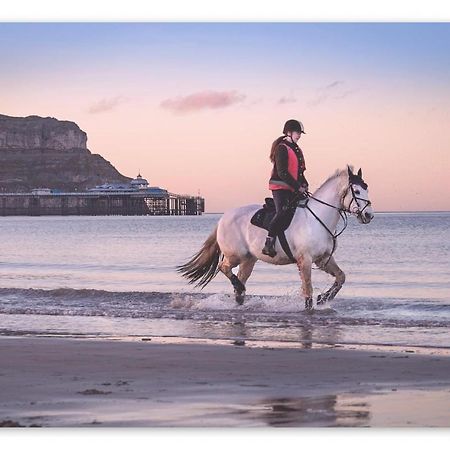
245	270
226	266
333	269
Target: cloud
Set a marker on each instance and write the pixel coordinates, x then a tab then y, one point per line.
332	91
284	100
203	100
333	85
345	94
106	104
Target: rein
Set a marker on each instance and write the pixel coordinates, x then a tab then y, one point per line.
342	212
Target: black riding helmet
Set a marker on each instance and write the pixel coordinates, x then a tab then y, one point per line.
293	125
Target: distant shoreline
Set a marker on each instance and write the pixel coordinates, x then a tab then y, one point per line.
378	212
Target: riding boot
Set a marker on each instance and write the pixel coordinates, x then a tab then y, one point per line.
269	247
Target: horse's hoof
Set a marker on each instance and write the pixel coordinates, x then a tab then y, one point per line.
240	297
309	304
321	299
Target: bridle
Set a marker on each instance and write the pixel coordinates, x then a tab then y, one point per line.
356	211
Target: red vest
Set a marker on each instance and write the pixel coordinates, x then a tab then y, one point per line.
292	169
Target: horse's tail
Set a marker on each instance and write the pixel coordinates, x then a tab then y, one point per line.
204	265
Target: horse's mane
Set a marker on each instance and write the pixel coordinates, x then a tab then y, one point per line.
339	174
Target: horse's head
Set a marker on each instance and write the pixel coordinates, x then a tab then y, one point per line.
356	199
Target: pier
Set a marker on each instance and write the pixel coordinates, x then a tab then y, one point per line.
43	203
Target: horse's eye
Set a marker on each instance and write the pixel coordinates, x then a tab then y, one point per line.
357	192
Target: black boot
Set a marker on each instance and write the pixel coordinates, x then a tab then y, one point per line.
269	247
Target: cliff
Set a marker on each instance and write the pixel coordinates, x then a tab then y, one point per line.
45	152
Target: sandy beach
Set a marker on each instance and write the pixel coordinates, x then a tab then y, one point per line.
54	382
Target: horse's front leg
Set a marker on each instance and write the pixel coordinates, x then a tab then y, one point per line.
304	265
245	270
333	269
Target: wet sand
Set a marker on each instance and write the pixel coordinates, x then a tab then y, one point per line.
54	382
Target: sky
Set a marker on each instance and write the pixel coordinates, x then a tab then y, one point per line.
195	107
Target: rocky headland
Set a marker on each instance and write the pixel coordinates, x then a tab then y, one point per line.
43	152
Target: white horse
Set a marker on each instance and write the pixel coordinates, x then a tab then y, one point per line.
311	237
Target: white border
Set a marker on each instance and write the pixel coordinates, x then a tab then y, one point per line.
230	10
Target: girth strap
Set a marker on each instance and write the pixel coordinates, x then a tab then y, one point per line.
285	246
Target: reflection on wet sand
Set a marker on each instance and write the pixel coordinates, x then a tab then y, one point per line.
305	335
322	411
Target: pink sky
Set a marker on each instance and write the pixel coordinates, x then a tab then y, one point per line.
186	131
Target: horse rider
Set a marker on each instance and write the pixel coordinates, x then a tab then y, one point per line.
287	181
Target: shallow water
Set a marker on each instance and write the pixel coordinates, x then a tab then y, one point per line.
115	276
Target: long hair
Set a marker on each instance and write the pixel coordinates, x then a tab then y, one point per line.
274	146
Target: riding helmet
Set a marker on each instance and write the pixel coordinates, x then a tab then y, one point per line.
293	125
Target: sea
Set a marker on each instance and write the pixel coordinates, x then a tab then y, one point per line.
115	278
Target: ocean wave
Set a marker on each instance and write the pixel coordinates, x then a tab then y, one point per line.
86	294
287	310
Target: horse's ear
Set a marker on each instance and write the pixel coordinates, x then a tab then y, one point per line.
349	171
360	173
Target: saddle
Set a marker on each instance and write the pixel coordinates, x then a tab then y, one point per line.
264	216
